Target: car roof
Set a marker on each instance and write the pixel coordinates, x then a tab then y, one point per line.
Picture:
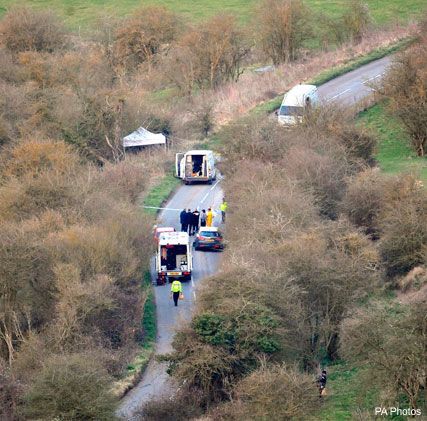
199	152
213	229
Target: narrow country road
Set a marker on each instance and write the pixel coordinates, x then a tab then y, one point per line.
354	86
156	382
346	89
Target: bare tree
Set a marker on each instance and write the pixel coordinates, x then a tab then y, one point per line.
209	55
281	28
139	38
406	87
23	29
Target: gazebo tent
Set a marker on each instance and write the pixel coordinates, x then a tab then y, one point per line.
142	137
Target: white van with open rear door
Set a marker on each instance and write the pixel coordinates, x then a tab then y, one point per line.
174	259
197	165
296	102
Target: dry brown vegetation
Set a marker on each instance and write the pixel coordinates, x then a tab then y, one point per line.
397	356
406	89
91	92
304	205
282	27
74	246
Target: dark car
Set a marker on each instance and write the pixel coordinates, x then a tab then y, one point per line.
208	238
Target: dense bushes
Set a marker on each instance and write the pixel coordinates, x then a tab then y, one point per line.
406	88
73	248
140	38
274	393
71	387
403	226
291	274
22	29
305	207
90	92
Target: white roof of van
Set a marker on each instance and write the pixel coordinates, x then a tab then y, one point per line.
173	238
199	152
297	94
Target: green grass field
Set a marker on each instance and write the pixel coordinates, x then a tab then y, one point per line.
82	12
395	154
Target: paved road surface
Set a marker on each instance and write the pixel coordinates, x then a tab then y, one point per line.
354	86
155	381
346	89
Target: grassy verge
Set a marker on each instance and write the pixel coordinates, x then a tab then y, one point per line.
395	154
161	192
347	394
327	75
156	197
135	369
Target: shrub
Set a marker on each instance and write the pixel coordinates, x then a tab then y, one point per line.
9	394
139	38
364	201
403	227
275	392
254	137
71	387
282	27
180	407
208	55
406	86
357	20
24	29
389	338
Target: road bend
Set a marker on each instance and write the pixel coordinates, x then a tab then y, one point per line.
156	383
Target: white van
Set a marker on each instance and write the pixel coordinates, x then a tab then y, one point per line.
174	259
198	165
295	103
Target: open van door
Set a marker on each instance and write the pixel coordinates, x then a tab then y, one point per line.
178	159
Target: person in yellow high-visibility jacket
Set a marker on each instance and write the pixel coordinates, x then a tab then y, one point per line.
209	218
223	207
176	290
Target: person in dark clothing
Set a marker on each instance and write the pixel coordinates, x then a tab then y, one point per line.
321	382
203	218
194	222
189	219
183	220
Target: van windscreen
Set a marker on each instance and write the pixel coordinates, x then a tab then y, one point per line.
291	110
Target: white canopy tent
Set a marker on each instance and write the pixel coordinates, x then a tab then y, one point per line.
142	137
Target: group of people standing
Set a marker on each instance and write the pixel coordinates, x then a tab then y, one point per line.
191	221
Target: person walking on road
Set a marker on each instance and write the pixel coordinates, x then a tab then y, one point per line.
223	208
203	218
195	222
176	290
183	220
209	218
